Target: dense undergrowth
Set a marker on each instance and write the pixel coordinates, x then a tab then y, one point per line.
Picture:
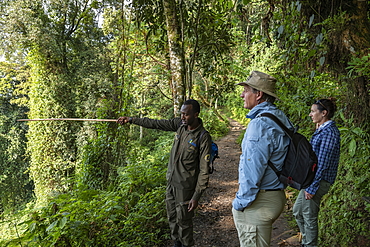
131	214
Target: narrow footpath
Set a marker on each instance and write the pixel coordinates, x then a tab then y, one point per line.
213	223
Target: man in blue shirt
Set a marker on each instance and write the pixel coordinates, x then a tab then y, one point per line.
260	198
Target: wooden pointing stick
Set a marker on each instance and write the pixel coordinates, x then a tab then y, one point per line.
68	119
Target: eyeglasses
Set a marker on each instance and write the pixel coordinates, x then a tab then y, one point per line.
319	102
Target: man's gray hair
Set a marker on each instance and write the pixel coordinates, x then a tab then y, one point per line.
266	97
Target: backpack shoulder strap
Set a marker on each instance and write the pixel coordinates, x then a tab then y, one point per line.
274	168
286	130
278	122
200	137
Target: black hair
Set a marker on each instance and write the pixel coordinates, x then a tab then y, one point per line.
328	105
194	103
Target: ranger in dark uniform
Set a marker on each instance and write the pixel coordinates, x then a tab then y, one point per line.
187	174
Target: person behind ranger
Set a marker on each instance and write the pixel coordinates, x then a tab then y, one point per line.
187	174
260	198
326	144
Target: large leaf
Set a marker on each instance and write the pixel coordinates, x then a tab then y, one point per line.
352	147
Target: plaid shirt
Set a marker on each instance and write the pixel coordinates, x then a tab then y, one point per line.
326	144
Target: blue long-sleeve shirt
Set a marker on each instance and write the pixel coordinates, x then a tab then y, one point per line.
263	140
326	144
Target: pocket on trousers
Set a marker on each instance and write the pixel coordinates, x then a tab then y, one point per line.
248	235
182	212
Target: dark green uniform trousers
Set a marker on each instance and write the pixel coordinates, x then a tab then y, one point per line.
180	220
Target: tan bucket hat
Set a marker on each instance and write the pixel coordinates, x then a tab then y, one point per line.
262	82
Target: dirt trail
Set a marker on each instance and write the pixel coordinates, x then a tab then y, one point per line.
213	223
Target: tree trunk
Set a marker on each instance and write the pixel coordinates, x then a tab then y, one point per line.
176	54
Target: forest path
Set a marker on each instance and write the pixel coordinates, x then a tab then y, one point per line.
213	222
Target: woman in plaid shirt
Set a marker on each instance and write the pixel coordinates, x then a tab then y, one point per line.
326	144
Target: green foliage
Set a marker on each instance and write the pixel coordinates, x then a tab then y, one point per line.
94	170
240	137
213	124
112	179
15	185
360	66
206	39
131	214
65	71
235	105
258	56
200	22
297	95
95	218
303	41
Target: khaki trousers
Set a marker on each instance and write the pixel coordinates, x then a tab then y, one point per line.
180	220
254	224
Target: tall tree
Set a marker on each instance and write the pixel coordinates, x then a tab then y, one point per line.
176	54
62	43
198	36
